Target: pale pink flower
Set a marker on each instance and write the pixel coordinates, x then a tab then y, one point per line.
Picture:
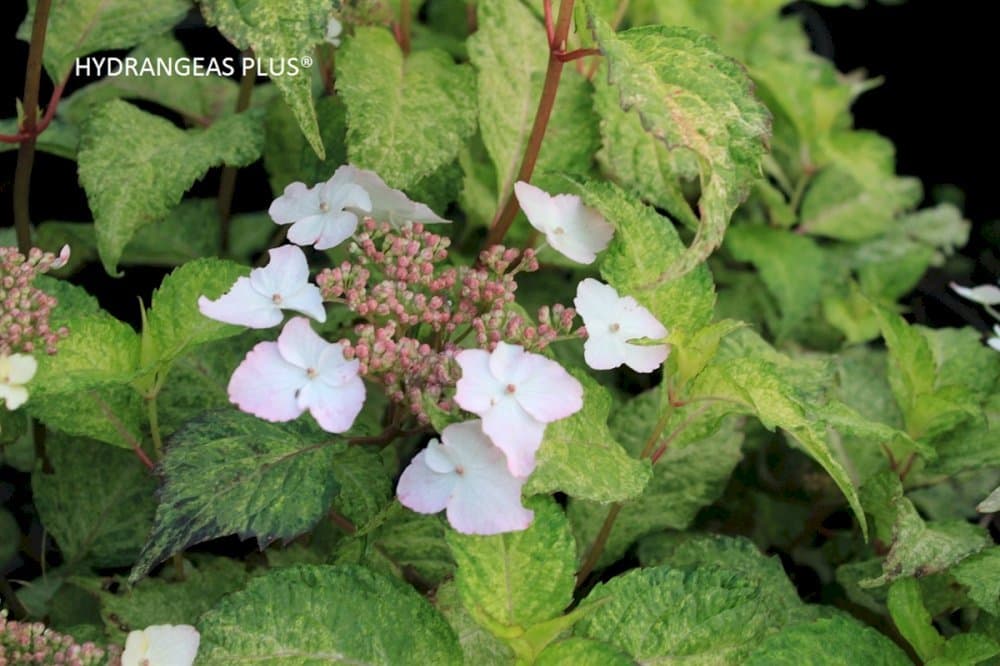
985	294
388	204
467	475
162	645
613	324
324	215
277	381
516	393
257	301
571	228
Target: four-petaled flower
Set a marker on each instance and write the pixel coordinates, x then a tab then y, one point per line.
612	322
571	228
162	645
323	215
388	204
257	301
516	393
984	294
16	370
467	475
277	381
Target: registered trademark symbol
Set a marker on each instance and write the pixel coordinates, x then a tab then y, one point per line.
307	61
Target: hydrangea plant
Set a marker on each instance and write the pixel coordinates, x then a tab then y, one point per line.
559	320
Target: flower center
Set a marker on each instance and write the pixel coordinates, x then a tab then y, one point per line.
324	207
311	373
276	299
615	327
559	231
459	470
510	389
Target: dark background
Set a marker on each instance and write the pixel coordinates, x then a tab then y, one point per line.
934	105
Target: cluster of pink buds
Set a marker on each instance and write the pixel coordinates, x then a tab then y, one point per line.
33	643
25	309
417	309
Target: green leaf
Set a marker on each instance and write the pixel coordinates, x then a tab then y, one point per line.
479	646
692	98
793	267
406	117
199	99
979	574
911	618
80	27
230	473
582	652
279	32
288	157
518	579
174	322
135	167
97	502
690	475
580	457
963	649
366	488
307	615
111	413
661	615
643	242
828	641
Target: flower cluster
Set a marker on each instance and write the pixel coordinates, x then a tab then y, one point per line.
417	316
32	643
25	309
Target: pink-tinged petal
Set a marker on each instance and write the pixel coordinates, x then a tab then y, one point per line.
63	258
286	271
423	490
295	203
478	388
387	204
438	458
546	391
333	407
986	294
242	305
642	358
308	230
603	351
337	228
516	433
504	361
265	384
596	303
537	206
334	369
300	345
308	300
171	645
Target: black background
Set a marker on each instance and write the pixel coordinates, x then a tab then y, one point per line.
934	105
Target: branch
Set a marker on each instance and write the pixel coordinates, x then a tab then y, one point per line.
227	182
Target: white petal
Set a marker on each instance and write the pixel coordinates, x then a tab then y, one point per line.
265	384
21	368
596	303
987	294
63	257
585	231
341	192
333	407
337	228
242	305
638	322
13	396
516	433
387	204
438	458
334	369
286	271
537	206
136	645
642	358
295	203
504	361
308	300
171	645
300	345
603	351
308	230
545	390
478	388
423	490
994	342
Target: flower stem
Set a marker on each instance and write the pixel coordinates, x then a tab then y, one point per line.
26	150
405	20
227	182
154	425
505	217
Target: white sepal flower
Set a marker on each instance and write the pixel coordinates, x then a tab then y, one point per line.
516	393
388	204
613	322
467	475
257	301
985	294
333	31
571	228
277	381
324	215
162	645
16	370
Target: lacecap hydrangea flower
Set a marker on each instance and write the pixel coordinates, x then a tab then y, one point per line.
162	645
984	294
465	474
257	301
278	381
516	394
613	324
570	227
324	215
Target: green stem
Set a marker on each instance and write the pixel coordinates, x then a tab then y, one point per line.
14	605
503	220
26	150
154	425
227	182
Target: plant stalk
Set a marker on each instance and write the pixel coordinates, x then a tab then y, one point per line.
227	182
